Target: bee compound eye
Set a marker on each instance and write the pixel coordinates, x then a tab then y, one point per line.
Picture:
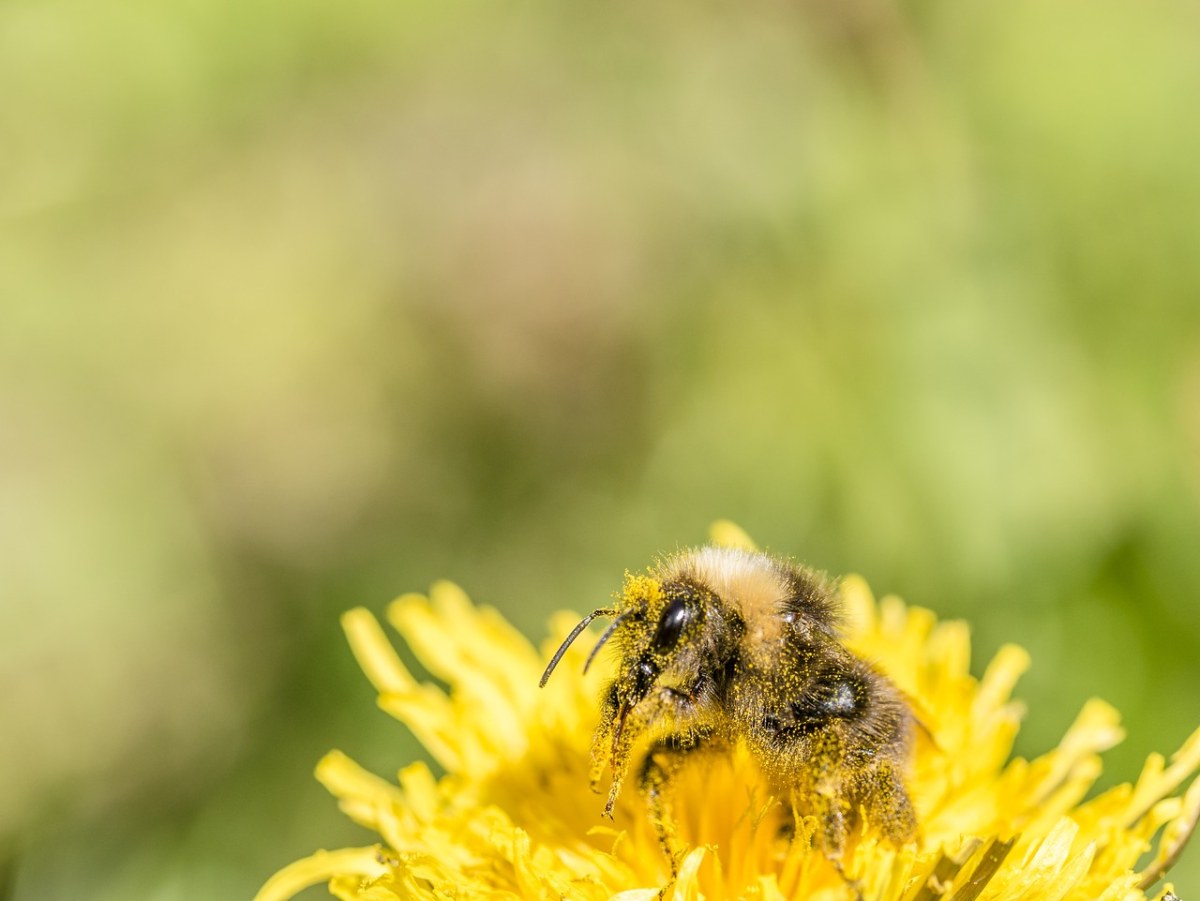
670	627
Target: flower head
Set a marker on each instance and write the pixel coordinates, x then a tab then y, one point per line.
513	815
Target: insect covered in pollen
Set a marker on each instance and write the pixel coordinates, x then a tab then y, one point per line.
719	646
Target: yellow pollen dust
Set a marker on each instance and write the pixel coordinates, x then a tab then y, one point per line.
641	589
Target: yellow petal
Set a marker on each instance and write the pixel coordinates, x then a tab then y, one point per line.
321	867
374	653
724	533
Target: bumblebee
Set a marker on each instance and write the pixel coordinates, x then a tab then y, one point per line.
719	646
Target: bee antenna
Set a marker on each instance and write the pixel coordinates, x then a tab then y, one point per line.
562	648
612	627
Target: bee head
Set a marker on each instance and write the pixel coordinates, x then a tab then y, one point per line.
652	620
658	622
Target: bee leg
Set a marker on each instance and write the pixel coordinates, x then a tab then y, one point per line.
855	885
602	741
622	724
663	762
826	804
887	802
835	816
832	814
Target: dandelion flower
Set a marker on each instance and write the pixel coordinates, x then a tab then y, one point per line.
513	816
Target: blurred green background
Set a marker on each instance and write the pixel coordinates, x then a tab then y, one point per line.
305	305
